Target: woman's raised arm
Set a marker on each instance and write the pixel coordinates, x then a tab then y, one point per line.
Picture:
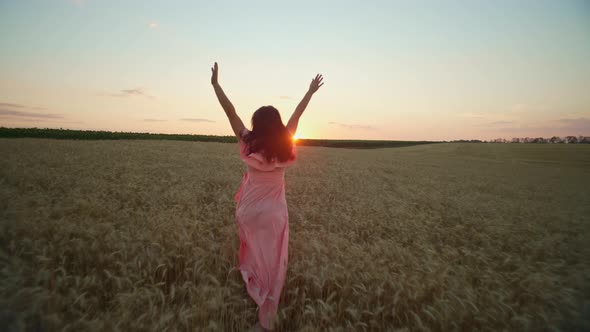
236	123
315	84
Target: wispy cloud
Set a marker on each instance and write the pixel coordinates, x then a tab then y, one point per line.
513	111
197	120
581	125
12	110
473	114
565	126
351	126
526	130
522	108
12	105
154	120
126	93
499	123
13	113
574	121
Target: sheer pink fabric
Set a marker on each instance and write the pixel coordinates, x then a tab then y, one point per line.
263	225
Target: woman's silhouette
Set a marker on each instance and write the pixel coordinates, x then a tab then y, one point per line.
261	210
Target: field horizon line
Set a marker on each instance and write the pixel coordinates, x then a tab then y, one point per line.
74	134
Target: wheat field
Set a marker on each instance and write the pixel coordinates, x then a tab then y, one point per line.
140	235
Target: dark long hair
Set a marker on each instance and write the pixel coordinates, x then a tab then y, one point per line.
269	136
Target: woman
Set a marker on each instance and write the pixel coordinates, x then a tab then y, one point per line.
261	211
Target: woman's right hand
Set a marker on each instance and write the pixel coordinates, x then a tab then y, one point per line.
214	71
316	83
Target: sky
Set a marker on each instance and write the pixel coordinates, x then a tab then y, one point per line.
394	70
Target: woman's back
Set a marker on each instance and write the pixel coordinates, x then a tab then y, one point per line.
261	211
263	181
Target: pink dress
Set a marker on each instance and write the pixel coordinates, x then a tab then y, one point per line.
263	224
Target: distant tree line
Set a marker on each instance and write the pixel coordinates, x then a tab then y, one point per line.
105	135
109	135
537	140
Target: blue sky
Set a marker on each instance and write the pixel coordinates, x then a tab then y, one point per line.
393	70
